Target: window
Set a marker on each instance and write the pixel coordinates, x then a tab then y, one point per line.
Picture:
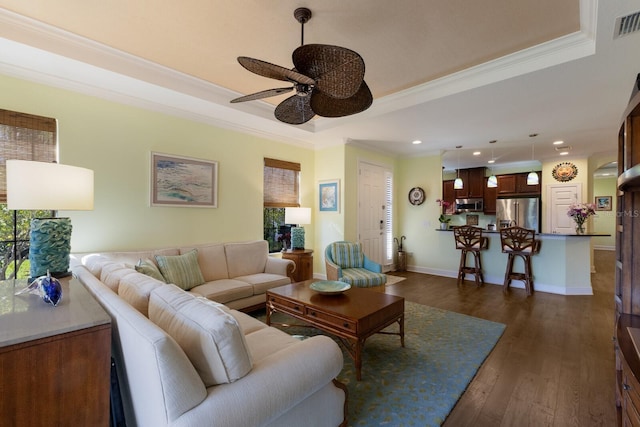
281	189
23	137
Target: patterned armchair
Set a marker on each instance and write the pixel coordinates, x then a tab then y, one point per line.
346	262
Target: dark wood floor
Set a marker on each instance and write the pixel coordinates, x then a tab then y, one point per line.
553	366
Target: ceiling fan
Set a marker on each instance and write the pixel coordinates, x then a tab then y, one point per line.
328	81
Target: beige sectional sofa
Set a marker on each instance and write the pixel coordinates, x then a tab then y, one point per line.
184	360
236	274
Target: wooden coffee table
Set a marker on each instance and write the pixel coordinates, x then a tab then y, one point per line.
352	316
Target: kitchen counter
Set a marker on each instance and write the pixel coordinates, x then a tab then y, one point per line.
563	265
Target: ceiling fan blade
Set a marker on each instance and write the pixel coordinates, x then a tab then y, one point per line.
294	110
338	71
267	69
327	106
262	94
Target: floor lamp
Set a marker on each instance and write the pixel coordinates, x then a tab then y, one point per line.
48	186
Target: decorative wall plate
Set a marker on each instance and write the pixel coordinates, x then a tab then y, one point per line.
416	196
564	171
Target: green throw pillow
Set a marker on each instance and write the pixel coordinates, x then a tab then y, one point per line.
347	254
181	270
146	266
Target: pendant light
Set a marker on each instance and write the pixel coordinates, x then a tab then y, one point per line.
458	184
492	181
532	178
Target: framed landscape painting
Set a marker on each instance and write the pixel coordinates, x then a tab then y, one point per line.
603	203
183	181
329	192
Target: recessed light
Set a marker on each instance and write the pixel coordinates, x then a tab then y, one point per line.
491	161
564	153
416	142
558	142
476	153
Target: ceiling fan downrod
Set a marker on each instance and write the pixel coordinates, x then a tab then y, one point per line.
302	15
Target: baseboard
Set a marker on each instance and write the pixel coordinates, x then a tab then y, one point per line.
495	280
604	248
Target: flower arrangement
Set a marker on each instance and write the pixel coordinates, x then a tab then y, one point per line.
444	205
580	212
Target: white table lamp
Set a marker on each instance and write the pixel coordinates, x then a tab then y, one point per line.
297	217
48	186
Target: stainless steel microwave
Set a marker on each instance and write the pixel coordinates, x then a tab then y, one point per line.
469	205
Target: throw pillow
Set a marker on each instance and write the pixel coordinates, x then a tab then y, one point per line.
182	270
210	337
146	266
347	254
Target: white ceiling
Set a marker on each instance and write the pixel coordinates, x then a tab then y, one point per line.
447	73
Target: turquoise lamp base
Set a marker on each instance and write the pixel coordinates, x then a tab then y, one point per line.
49	247
297	238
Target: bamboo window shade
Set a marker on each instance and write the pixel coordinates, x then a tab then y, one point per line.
281	184
25	137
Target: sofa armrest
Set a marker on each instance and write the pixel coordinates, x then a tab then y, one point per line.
333	270
274	386
372	265
284	267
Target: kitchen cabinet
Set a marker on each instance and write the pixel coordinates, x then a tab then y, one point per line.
516	185
627	287
490	195
473	180
448	193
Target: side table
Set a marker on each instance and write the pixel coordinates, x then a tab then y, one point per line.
304	263
55	361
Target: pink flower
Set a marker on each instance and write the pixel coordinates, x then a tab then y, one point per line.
581	211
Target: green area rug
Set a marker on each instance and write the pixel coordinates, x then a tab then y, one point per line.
417	385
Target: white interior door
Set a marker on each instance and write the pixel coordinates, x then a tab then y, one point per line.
371	211
559	197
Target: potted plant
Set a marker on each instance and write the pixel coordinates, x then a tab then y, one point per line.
443	218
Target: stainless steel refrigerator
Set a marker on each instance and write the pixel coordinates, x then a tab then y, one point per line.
521	212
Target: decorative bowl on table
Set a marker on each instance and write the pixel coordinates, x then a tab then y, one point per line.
330	287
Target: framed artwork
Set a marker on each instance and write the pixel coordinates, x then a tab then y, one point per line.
603	203
183	181
329	192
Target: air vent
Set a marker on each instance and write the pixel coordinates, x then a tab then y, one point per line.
627	24
563	148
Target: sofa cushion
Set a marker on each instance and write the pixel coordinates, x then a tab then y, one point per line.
245	258
182	270
148	267
261	282
212	261
113	272
347	254
210	337
136	290
224	291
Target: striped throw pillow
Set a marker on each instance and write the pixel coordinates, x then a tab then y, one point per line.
181	270
347	254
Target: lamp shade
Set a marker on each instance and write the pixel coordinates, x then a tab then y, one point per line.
299	216
532	178
48	186
457	184
492	181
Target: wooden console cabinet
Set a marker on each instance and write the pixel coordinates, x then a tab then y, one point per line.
627	286
55	361
304	263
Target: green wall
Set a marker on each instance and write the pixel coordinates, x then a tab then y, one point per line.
116	141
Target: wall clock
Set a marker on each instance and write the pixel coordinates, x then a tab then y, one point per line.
564	171
416	196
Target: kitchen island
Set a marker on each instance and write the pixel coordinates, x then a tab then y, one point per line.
563	265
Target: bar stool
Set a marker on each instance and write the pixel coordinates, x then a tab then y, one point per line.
521	242
469	240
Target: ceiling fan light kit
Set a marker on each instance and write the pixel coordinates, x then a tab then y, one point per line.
328	81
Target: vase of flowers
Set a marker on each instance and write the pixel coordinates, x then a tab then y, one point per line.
580	212
443	218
